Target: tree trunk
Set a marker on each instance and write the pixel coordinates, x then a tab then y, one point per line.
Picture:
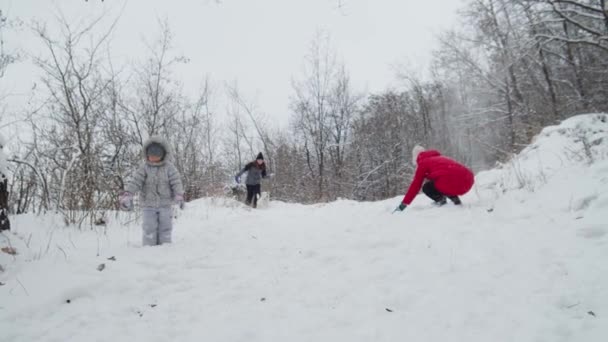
550	87
577	75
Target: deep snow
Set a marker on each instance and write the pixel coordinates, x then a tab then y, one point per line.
523	260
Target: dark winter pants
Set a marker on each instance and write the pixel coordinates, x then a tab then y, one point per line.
157	226
429	189
252	194
5	224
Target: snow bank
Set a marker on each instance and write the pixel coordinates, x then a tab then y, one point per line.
565	168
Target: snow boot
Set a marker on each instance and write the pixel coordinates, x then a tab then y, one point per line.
441	202
455	200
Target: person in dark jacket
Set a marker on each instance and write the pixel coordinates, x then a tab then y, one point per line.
256	170
444	177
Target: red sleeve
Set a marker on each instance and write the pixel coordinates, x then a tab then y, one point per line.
416	185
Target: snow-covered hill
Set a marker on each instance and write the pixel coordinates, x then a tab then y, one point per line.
525	259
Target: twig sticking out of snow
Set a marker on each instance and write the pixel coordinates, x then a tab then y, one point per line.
23	287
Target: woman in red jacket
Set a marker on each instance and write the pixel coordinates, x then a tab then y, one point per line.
444	178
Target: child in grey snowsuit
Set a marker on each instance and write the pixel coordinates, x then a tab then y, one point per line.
159	185
256	170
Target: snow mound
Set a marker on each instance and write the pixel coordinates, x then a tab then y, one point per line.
564	168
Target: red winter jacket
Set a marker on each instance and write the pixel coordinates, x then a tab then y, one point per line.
450	177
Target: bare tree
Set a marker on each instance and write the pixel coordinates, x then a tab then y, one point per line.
343	107
157	98
236	141
6	57
312	109
195	140
258	123
67	135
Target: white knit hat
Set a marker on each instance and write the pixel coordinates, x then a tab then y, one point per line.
415	152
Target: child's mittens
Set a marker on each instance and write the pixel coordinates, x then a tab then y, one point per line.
126	201
179	199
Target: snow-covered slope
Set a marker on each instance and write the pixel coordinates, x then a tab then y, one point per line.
523	260
564	170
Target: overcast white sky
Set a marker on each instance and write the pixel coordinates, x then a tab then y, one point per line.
259	43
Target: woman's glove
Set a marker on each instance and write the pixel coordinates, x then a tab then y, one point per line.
401	207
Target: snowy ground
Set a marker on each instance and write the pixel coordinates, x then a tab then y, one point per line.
525	259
